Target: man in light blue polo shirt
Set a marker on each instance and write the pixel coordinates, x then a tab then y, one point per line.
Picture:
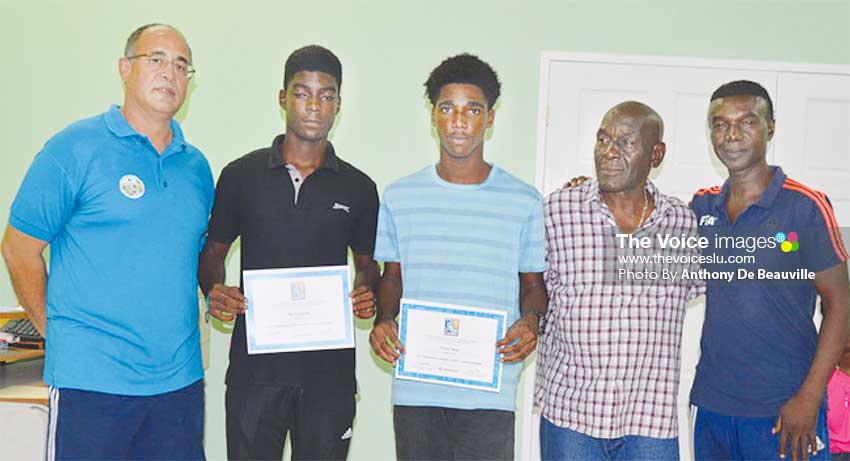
122	200
462	232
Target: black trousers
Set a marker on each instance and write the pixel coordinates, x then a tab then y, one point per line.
435	433
259	418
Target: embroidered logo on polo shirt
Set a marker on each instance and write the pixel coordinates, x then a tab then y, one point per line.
707	220
771	224
339	206
131	186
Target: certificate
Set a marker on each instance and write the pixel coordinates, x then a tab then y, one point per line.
299	309
451	345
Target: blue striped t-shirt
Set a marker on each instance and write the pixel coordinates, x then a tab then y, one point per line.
462	244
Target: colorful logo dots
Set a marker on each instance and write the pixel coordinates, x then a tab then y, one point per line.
789	242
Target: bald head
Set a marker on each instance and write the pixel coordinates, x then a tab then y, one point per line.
130	46
649	123
628	146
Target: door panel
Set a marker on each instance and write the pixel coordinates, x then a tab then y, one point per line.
813	135
581	92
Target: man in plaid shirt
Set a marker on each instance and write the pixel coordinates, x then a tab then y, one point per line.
608	369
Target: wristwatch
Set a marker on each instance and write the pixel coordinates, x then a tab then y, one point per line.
541	322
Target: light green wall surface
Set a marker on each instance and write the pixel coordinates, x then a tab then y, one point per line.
60	64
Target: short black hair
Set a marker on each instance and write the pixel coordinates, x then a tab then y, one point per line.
464	68
313	58
744	87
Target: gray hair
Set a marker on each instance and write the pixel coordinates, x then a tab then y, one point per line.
130	47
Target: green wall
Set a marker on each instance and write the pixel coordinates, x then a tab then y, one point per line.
60	64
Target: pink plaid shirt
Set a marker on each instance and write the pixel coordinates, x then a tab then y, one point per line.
608	365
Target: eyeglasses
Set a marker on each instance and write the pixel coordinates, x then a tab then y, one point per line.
157	61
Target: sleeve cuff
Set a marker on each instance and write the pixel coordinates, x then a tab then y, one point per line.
29	229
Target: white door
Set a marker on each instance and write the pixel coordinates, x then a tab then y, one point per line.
812	140
581	92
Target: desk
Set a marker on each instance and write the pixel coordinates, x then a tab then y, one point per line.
21	382
15	354
12	315
23	410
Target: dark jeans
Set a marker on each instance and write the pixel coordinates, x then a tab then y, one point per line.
435	433
259	417
840	456
563	444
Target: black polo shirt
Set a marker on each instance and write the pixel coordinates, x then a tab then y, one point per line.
337	208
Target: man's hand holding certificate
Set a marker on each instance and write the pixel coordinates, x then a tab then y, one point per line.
298	309
294	309
452	345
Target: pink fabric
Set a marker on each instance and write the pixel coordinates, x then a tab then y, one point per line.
838	412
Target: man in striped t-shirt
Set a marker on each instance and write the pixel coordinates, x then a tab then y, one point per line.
463	232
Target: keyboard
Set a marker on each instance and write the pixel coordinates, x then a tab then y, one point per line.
22	328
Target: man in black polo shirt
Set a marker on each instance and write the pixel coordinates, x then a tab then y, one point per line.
295	204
